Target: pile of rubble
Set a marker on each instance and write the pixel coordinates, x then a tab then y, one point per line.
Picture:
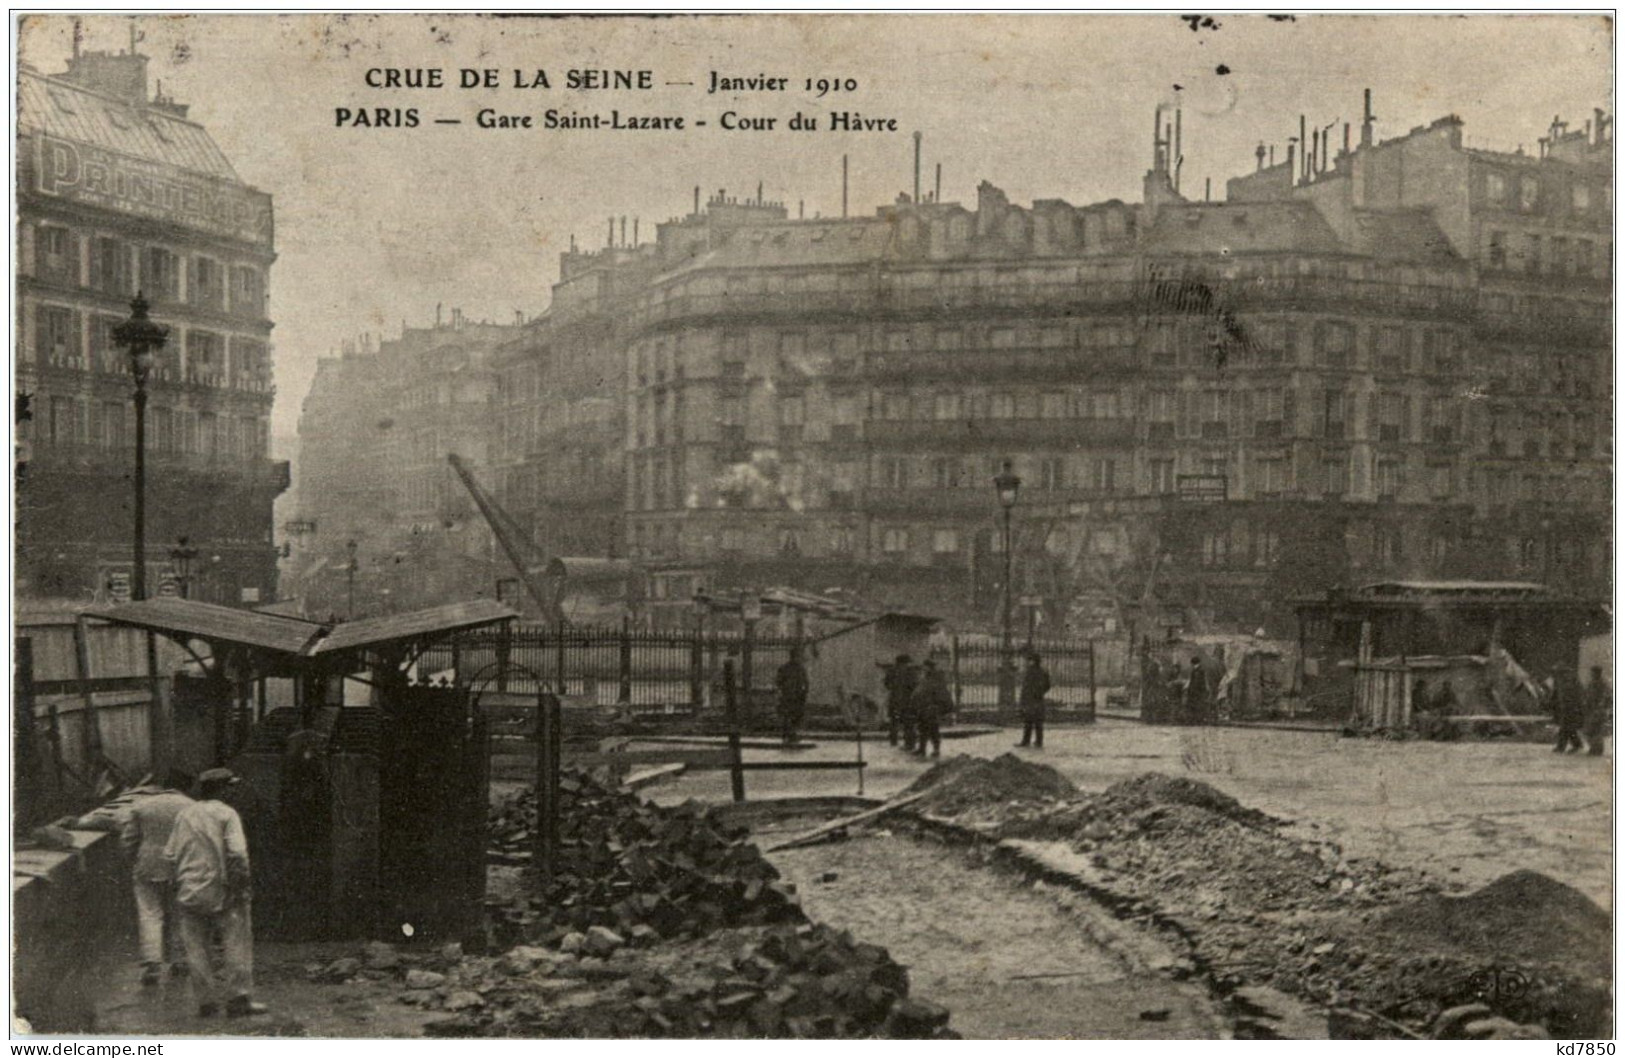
977	789
635	868
657	922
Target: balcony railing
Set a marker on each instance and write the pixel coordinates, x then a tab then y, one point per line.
1030	362
973	432
269	472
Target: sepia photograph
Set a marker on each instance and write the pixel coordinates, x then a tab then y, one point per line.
813	526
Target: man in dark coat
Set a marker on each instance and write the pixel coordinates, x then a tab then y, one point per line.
791	682
1034	685
1568	709
901	680
1596	709
932	701
1198	695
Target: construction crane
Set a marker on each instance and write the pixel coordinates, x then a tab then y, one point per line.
528	560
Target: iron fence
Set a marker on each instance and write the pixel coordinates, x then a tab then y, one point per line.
653	672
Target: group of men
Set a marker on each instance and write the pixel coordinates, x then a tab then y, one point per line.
918	699
191	880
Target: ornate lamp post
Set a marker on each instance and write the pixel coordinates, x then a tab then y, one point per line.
350	568
182	554
1007	485
141	338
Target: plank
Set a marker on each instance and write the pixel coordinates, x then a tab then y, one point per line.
819	833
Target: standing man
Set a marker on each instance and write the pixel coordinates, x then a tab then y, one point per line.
212	891
932	701
145	832
1197	694
1034	685
1596	709
791	681
901	680
1569	711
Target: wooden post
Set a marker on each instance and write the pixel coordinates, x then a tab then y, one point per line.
735	751
90	729
55	731
1091	679
625	694
747	648
27	761
259	703
549	735
161	717
504	654
245	696
457	663
696	670
558	630
959	686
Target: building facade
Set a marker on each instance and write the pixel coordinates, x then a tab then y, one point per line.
1386	361
375	432
119	192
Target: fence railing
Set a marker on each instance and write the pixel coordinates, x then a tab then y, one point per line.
665	671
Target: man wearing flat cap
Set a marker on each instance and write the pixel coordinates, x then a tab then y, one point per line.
212	891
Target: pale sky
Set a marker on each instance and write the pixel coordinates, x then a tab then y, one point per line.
377	225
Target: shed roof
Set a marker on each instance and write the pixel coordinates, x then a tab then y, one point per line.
438	620
294	637
202	620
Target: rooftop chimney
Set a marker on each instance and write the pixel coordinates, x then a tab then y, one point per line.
917	138
936	196
1259	154
1365	122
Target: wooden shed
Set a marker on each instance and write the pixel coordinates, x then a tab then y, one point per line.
848	660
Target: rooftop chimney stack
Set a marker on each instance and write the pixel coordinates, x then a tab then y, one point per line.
917	138
1303	145
936	196
1259	154
1179	144
1366	122
696	200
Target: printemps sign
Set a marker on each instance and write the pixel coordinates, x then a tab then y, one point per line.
109	180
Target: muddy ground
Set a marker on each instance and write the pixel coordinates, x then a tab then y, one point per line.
1011	960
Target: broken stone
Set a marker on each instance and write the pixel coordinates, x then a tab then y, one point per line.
602	941
380	956
1155	1014
572	943
452	952
342	969
464	1000
424	979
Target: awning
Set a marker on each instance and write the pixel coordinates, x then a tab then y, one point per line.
438	620
188	619
287	638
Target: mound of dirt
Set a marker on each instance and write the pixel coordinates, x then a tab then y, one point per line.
962	785
1520	916
1154	788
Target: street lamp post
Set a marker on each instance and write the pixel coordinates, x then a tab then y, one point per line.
141	339
1007	485
350	569
183	553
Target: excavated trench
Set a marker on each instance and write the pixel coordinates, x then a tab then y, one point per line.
1013	956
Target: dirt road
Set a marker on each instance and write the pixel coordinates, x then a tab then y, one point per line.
986	935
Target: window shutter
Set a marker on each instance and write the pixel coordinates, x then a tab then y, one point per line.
1317	415
1320	344
1244	412
76	274
1407	430
1184	412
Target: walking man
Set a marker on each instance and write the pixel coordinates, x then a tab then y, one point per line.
932	701
1596	709
791	681
902	679
1034	685
145	832
212	891
1568	709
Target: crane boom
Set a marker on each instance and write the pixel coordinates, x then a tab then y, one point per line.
513	542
